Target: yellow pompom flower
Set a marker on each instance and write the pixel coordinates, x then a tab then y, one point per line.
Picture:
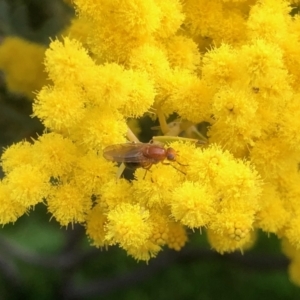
10	209
67	59
150	58
177	236
140	96
294	255
232	224
95	224
16	155
230	178
202	16
225	243
59	108
269	19
294	270
68	204
224	65
144	252
273	214
290	125
233	112
160	230
171	17
115	192
79	29
271	157
265	60
128	226
292	231
192	204
288	249
28	185
183	53
99	128
91	172
120	26
155	189
55	154
190	96
22	63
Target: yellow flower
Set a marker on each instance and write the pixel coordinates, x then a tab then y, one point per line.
55	154
292	231
128	226
155	189
95	222
59	108
171	17
68	204
294	270
234	111
192	204
16	155
183	53
22	63
177	236
67	59
120	26
115	192
10	209
273	214
28	185
99	128
225	243
92	172
269	19
143	252
224	65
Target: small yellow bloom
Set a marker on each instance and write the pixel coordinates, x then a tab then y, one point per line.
128	226
171	17
68	204
177	236
144	252
192	204
292	231
225	243
22	63
294	270
59	108
101	127
183	53
273	214
95	222
10	210
115	192
91	172
28	185
67	59
16	155
224	65
160	230
55	154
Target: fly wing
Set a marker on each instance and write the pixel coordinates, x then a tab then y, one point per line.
128	152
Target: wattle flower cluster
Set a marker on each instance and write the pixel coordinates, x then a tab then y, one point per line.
234	64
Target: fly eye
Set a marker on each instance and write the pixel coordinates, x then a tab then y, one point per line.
171	155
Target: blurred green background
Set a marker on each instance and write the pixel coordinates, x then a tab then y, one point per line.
40	260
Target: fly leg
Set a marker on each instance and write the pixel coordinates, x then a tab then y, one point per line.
165	163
